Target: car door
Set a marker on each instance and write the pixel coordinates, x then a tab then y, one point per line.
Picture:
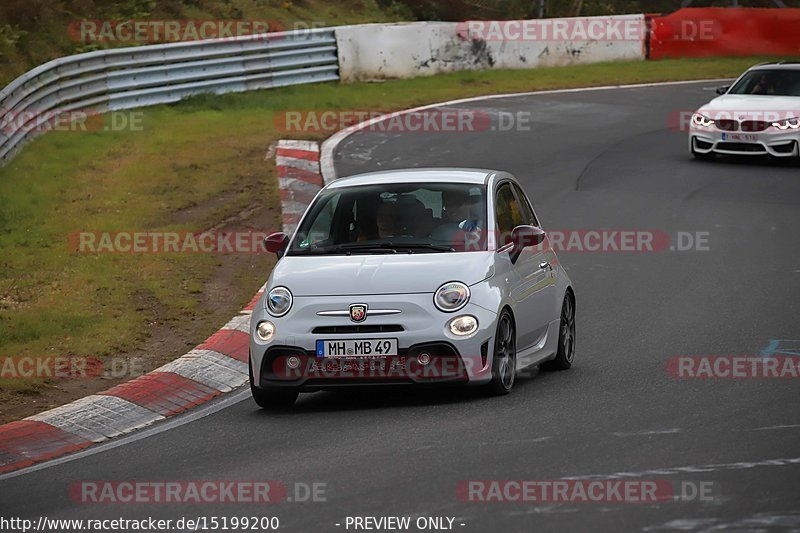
532	284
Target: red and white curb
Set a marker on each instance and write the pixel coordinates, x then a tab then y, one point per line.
216	366
299	179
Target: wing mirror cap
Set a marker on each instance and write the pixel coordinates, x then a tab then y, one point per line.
524	236
276	243
723	89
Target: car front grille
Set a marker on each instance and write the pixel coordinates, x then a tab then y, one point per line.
360	328
754	125
740	147
726	124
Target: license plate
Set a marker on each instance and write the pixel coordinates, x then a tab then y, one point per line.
357	348
741	137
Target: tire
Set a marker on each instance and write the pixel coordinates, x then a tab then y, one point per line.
565	354
271	399
504	359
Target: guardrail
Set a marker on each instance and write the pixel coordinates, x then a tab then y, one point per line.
126	78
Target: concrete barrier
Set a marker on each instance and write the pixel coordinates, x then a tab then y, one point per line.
404	50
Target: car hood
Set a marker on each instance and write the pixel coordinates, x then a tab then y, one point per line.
744	103
337	275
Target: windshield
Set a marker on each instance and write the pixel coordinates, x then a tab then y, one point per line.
777	82
394	218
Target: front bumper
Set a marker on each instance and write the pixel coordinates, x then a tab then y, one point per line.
769	142
418	327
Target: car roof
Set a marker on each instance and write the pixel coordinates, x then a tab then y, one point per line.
779	65
418	175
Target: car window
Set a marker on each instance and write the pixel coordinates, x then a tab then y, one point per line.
507	212
769	82
527	210
417	216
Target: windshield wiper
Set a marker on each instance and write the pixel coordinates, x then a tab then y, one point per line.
427	246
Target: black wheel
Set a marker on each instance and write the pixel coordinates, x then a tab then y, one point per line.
566	337
504	362
272	399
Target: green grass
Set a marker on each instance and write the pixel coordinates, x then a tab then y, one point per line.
53	301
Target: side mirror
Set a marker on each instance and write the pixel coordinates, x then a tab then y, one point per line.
276	243
723	90
522	237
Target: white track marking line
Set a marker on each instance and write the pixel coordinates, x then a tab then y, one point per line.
670	471
647	432
784	426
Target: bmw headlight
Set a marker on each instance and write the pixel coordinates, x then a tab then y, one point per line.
702	120
451	296
787	123
279	301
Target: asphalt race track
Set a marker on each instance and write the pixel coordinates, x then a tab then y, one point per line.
591	160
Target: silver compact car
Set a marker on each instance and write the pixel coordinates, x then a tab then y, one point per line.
411	277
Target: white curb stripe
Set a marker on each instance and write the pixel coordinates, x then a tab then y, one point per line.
210	368
294	162
98	417
239	323
309	146
295	184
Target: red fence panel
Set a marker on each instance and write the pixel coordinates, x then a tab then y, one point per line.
721	31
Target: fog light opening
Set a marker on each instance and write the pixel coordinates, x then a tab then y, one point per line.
424	358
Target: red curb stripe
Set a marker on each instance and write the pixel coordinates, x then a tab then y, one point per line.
165	393
253	302
298	154
295	195
25	442
300	174
230	342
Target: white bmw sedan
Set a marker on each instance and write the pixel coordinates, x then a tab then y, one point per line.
758	115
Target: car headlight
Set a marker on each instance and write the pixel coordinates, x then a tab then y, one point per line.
787	123
463	325
702	120
265	330
451	296
279	301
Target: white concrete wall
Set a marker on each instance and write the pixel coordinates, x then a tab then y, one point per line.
404	50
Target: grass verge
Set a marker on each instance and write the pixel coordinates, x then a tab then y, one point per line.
191	166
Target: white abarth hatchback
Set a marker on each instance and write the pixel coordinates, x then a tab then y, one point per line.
411	277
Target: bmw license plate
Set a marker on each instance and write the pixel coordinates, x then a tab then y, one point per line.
357	348
740	137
